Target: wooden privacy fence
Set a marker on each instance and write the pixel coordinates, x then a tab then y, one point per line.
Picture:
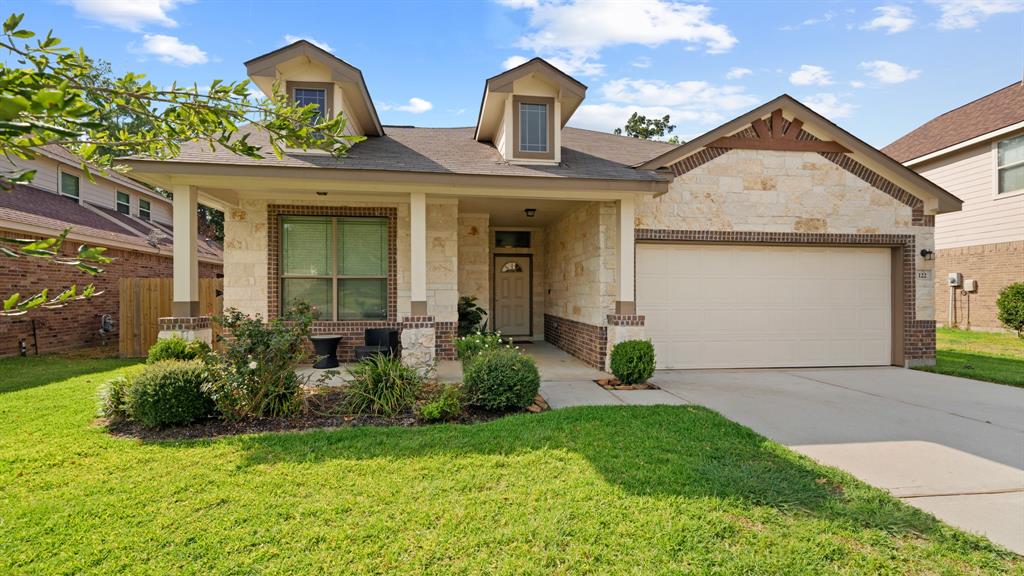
144	300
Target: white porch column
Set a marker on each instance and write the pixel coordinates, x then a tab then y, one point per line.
626	303
186	257
418	266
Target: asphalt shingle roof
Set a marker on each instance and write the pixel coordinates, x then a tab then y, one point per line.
999	109
585	154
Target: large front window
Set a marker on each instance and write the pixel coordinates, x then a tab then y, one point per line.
315	96
533	127
1010	165
338	265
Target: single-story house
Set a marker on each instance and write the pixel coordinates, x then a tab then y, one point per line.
776	239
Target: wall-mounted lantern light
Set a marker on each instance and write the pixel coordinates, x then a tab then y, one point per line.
927	254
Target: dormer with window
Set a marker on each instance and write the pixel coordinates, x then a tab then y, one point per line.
524	110
308	74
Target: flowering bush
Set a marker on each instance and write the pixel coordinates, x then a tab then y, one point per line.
468	347
255	376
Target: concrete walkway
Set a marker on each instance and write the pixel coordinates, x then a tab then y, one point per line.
951	446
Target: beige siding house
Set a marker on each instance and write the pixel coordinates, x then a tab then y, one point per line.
977	153
777	239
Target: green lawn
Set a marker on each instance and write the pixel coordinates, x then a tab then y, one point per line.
981	355
609	490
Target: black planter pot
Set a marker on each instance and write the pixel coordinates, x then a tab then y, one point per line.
326	349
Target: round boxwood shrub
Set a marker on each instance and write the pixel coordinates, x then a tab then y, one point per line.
633	361
169	393
177	349
501	379
1011	307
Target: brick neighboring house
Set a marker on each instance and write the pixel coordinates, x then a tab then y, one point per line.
775	240
976	152
130	220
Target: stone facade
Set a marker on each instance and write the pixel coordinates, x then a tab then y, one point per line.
803	192
443	260
419	344
474	263
581	256
994	266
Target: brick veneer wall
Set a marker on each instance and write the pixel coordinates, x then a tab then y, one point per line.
918	335
445	334
76	325
584	341
994	266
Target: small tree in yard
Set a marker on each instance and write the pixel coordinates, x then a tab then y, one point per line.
50	94
644	128
1011	307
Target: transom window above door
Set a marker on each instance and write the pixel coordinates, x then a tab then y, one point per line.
339	265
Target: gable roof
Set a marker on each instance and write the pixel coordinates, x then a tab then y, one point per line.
585	155
1000	109
574	90
65	156
821	126
350	77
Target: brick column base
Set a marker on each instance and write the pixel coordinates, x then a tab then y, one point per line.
622	327
419	342
186	327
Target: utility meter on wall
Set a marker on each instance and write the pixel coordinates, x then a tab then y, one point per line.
955	279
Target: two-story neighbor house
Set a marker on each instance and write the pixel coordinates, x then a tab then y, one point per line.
975	151
132	221
777	239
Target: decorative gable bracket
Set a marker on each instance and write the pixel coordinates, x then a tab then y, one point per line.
777	135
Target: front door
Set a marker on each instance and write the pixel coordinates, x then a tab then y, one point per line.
512	295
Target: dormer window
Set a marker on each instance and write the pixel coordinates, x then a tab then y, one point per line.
534	127
319	94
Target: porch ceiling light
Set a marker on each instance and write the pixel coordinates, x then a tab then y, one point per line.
530	212
321	193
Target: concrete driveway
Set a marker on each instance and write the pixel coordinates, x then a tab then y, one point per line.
951	446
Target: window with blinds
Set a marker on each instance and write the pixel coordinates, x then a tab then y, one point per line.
337	265
1010	165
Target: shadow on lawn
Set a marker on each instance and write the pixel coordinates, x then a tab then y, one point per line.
661	450
21	373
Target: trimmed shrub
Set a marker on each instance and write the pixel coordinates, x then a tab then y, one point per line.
501	379
445	406
169	393
383	386
177	349
633	361
468	347
1011	307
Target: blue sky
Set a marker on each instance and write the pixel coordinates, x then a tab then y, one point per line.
879	69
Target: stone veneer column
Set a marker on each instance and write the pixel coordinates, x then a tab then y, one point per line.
187	328
419	341
622	327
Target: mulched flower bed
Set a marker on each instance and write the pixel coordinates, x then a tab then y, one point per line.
615	384
323	410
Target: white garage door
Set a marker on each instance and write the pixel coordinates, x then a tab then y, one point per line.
734	306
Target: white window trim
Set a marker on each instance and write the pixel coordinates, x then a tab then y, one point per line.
117	202
149	215
995	171
60	184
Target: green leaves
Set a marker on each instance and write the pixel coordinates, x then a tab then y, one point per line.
13	305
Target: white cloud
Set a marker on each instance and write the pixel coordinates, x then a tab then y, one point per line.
641	62
129	14
856	84
826	17
172	51
291	38
571	65
575	32
690	103
889	72
829	105
737	73
960	14
415	106
892	18
809	75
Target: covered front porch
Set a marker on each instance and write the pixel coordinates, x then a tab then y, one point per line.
548	264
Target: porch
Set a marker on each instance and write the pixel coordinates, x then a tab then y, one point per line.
546	265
